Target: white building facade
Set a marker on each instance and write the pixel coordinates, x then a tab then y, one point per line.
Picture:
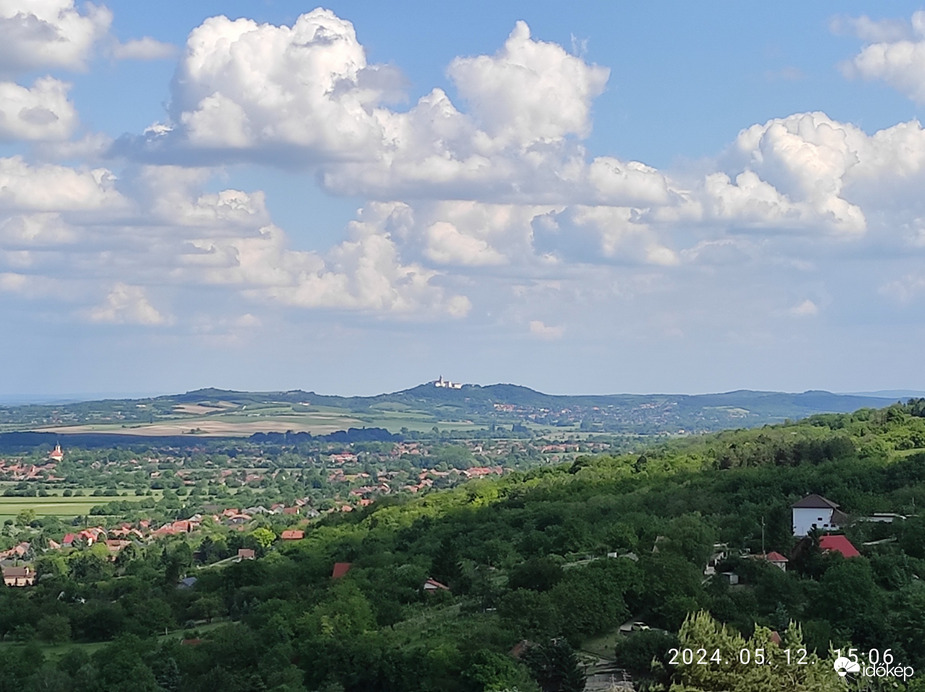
815	512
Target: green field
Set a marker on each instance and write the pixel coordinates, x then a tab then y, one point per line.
56	506
317	420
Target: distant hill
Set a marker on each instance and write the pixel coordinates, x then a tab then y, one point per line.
220	412
895	394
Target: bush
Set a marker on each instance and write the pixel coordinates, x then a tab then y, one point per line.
636	651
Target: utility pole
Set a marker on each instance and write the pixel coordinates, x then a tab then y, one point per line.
763	552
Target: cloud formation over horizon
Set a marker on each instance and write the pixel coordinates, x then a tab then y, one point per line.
464	200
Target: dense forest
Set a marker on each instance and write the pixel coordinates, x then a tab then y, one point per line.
525	573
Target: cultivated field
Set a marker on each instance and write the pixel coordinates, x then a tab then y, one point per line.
56	506
245	421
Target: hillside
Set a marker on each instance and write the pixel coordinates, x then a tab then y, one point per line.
542	562
218	412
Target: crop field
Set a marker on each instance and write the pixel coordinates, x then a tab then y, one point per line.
231	423
56	506
245	421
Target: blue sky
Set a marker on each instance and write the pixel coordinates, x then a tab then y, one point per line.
608	197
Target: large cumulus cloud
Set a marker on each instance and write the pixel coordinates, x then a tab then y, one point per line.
496	187
158	231
41	34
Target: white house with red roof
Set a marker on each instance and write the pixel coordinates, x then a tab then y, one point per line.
778	560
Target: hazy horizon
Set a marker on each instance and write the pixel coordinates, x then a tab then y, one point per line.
78	397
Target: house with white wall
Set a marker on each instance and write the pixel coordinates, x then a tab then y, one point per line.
816	512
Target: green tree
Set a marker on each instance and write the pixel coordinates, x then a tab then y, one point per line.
25	517
264	537
54	629
722	666
555	666
493	672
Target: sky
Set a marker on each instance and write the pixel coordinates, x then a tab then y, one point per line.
593	197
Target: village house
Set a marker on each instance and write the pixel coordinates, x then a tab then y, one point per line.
18	576
777	560
115	546
838	544
17	551
816	512
432	586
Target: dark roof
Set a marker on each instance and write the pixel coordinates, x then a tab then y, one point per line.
16	572
814	502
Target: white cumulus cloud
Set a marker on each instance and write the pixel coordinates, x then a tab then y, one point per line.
544	331
55	188
895	56
41	34
805	308
127	304
42	112
244	85
145	48
530	90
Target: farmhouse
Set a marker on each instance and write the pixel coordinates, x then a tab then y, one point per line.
18	576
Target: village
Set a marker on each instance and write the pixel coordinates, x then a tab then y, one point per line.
143	498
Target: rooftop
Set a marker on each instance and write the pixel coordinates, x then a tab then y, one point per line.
814	502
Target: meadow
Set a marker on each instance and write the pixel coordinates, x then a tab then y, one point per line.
56	505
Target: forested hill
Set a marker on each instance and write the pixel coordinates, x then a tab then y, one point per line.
473	397
425	406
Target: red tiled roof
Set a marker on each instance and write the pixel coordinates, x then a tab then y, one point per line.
839	544
774	556
292	535
340	569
